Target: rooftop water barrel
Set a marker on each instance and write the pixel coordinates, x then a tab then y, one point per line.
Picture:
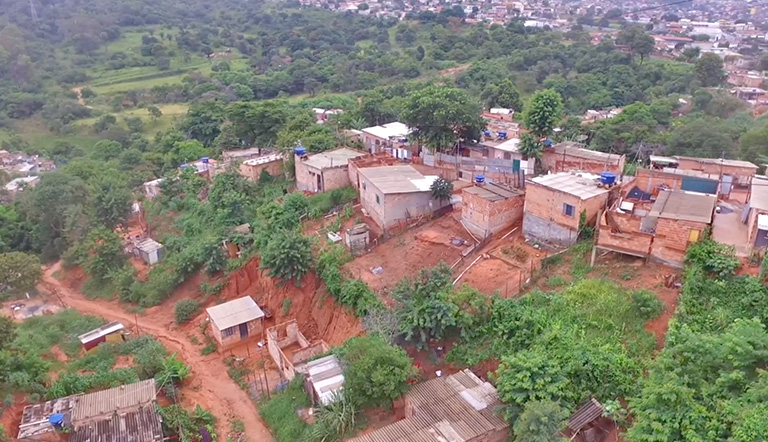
205	160
502	134
479	179
56	419
608	178
548	142
487	133
300	151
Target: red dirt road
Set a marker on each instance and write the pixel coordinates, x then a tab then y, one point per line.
210	385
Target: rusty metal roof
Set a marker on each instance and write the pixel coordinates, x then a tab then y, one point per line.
493	192
140	425
107	402
456	408
585	415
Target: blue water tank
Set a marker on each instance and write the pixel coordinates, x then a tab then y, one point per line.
487	133
608	178
300	151
184	166
548	142
56	419
479	179
205	160
502	134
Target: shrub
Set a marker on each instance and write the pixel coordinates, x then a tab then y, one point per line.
185	310
717	259
646	304
287	256
279	412
286	306
335	420
556	281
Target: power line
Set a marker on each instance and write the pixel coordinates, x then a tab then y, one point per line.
659	6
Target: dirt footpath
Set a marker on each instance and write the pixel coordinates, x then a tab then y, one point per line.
210	386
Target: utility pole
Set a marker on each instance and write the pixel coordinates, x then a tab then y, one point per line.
33	11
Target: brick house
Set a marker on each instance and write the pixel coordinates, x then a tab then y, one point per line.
488	208
659	231
732	174
392	195
554	203
653	181
251	168
235	321
324	171
568	156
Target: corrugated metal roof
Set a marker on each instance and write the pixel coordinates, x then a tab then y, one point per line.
107	402
585	415
104	330
397	179
718	161
394	129
686	206
34	418
581	185
235	312
577	150
456	408
332	158
140	425
149	245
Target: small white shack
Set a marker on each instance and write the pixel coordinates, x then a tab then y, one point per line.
150	251
235	321
325	379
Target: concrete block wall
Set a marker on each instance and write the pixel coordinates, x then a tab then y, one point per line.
330	178
538	229
744	174
633	241
557	162
253	172
305	176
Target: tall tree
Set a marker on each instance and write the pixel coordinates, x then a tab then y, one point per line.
544	112
709	70
503	94
111	200
541	421
440	116
19	272
639	42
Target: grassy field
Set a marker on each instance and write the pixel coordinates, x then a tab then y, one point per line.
34	132
170	113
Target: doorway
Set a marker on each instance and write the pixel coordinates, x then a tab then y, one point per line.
243	330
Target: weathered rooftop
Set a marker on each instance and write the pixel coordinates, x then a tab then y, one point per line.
139	425
326	376
398	179
18	183
107	402
585	415
149	245
263	160
581	185
34	419
394	129
332	158
457	408
577	150
104	330
493	192
680	205
720	161
235	312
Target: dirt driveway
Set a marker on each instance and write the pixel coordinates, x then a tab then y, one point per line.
210	386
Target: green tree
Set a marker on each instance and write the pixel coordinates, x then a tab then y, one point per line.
111	200
440	116
7	333
639	42
424	309
287	256
540	421
530	147
544	112
442	189
19	273
502	94
185	310
709	69
154	112
101	254
173	372
375	372
135	124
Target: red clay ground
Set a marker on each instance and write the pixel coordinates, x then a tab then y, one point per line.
211	387
404	255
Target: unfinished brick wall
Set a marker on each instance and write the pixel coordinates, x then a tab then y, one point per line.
648	180
671	240
253	172
484	217
628	238
557	162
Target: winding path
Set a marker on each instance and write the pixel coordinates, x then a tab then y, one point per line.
210	386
